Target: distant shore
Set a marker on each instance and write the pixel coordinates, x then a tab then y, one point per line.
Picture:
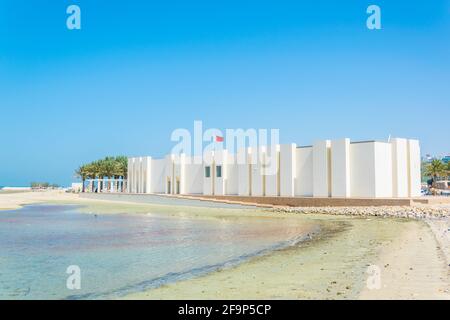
411	254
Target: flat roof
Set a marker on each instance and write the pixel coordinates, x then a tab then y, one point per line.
351	142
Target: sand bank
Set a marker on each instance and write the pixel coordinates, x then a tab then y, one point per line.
332	267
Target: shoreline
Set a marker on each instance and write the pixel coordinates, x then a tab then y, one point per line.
334	266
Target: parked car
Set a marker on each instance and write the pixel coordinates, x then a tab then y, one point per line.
442	185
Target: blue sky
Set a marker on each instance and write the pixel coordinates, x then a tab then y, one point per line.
137	70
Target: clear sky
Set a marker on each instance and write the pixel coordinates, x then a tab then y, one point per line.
137	70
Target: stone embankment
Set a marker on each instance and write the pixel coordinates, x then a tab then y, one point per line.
413	212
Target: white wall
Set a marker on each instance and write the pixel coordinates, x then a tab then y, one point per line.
321	168
399	167
179	176
383	169
146	173
220	159
273	178
335	168
304	172
257	172
287	169
149	175
232	183
194	176
139	173
362	173
414	168
340	168
157	176
215	185
168	174
243	173
129	175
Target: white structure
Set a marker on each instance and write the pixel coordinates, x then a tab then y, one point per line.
329	168
104	185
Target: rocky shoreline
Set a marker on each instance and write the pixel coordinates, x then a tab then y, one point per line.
411	212
437	217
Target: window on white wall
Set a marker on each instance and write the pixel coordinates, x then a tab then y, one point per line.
207	171
219	171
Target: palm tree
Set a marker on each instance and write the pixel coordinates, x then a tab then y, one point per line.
120	169
436	168
97	172
448	169
82	172
122	166
91	169
115	167
109	168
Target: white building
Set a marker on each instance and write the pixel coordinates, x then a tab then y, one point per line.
329	168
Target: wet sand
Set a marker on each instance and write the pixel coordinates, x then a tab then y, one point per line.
332	267
410	255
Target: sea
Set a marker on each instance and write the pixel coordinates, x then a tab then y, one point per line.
61	252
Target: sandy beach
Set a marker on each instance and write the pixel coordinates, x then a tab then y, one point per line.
412	256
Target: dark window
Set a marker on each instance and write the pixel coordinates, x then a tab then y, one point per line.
207	171
219	171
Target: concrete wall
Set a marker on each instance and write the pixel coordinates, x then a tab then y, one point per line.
194	177
322	168
304	172
179	176
340	168
288	169
383	170
232	183
257	172
130	176
220	159
168	174
362	173
273	178
414	174
146	172
139	171
157	177
215	185
335	169
399	167
244	177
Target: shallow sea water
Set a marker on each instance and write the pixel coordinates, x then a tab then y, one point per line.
119	254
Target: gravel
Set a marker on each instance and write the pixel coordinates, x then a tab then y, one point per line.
412	212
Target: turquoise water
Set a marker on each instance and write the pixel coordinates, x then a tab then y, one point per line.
120	254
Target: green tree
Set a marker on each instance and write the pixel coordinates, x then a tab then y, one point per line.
40	185
121	166
436	168
111	167
121	169
83	173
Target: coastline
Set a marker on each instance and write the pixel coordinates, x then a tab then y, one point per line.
332	267
412	256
